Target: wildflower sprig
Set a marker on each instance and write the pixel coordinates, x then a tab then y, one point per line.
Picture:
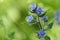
41	14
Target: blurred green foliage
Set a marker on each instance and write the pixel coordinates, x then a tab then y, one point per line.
12	19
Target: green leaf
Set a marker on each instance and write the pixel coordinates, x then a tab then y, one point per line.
47	38
49	26
36	26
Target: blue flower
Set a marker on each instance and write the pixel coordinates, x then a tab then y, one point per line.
42	33
39	10
29	18
45	18
57	16
33	7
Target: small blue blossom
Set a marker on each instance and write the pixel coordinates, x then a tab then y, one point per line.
33	7
29	18
42	33
39	10
57	16
45	18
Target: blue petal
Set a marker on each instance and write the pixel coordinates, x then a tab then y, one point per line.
29	18
33	7
39	10
42	33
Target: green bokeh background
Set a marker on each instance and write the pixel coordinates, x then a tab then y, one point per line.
12	19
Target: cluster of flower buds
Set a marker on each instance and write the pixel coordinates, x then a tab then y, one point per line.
40	15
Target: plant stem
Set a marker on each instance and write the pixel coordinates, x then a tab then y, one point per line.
39	23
